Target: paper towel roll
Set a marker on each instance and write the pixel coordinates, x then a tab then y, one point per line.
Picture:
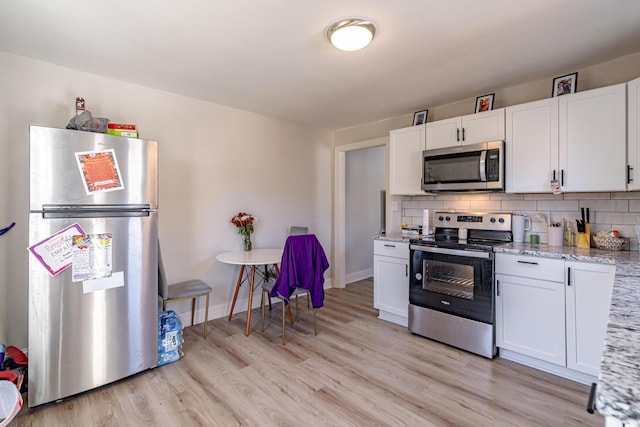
425	222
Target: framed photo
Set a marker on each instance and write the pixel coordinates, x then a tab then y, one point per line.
565	84
420	117
485	102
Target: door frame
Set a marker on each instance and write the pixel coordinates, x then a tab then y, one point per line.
339	226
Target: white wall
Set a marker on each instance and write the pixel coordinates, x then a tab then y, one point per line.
619	70
365	179
214	161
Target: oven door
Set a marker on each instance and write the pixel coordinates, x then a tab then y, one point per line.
454	281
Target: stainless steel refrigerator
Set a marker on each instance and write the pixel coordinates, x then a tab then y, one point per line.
93	266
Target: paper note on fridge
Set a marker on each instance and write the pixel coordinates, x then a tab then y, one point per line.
54	252
100	171
91	256
115	281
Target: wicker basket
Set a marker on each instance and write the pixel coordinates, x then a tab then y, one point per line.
609	243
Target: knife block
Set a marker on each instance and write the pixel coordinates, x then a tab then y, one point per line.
583	241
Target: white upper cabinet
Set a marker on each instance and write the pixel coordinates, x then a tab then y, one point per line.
532	146
471	129
578	139
405	160
592	139
633	136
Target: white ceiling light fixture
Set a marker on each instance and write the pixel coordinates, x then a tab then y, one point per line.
351	34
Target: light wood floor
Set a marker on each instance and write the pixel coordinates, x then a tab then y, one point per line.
358	371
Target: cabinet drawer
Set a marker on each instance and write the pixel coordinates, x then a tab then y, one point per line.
530	266
390	248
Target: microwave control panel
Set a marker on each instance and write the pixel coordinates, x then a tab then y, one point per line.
493	165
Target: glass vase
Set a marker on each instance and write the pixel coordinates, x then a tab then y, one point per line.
247	242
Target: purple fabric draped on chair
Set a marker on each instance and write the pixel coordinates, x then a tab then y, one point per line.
303	265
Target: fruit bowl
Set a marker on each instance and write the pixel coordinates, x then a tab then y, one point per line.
608	243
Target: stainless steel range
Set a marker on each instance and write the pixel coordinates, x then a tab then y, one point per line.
451	295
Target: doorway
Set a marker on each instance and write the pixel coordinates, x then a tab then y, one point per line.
340	205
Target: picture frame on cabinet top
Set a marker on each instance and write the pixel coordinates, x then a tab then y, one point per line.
484	103
564	85
420	117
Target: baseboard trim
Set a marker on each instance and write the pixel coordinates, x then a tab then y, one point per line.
358	275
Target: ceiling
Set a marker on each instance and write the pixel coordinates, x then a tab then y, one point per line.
272	57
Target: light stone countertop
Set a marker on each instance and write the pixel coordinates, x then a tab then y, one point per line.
618	390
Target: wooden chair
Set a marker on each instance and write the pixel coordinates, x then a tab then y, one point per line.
190	289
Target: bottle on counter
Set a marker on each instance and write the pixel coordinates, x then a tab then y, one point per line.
568	238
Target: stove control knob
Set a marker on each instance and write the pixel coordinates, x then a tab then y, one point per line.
440	218
501	220
493	220
418	276
448	218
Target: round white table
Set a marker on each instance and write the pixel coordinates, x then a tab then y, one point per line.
253	259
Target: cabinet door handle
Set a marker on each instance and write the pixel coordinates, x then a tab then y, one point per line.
463	134
527	262
498	288
629	179
406	270
389	246
554	174
568	276
457	134
562	177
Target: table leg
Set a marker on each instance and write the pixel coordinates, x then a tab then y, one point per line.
253	276
235	294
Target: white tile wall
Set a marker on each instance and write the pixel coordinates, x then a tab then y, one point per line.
620	211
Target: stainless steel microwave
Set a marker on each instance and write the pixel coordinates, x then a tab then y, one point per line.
477	167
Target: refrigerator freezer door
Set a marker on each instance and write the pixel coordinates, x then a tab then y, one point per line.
77	340
56	179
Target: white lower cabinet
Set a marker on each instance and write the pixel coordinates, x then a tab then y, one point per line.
588	294
554	312
391	280
530	307
530	316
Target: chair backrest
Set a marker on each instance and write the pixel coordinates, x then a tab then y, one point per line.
295	230
163	286
303	265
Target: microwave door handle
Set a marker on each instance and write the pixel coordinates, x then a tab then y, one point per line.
483	167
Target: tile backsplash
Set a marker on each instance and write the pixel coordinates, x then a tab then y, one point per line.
620	211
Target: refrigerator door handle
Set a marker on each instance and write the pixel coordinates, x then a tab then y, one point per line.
101	208
93	214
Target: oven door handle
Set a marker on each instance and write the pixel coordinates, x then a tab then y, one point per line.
447	251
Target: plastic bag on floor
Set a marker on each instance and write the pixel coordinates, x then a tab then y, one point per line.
10	402
169	337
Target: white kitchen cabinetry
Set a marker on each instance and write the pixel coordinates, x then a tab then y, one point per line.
588	299
633	136
553	312
530	307
471	129
532	146
578	139
405	160
592	139
391	280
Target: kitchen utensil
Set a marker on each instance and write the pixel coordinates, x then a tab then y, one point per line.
541	217
520	224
